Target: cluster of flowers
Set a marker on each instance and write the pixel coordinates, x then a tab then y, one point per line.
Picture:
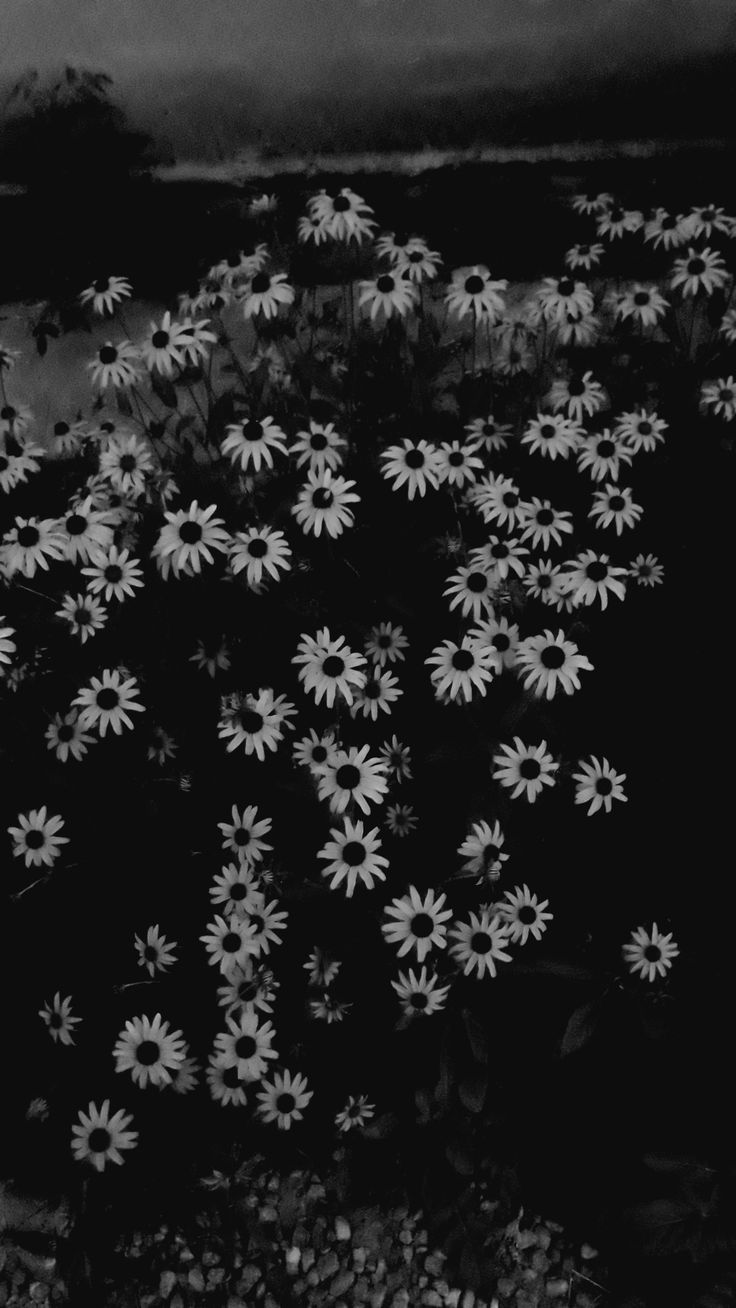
131	483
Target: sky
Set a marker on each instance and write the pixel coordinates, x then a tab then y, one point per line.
180	59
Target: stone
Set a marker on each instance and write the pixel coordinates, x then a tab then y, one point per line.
342	1228
342	1282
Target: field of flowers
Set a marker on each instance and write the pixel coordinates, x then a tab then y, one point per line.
340	657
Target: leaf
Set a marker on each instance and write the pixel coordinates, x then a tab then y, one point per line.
163	388
477	1038
381	1127
580	1027
460	1158
658	1213
472	1091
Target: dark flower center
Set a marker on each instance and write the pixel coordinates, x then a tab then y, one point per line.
238	891
372	689
7	413
260	283
401	239
160	340
616	213
645	428
347	776
499	550
489	428
341	204
501	641
286	1103
65	732
547	431
127	463
108	354
319	753
190	532
575	386
418	1000
530	769
230	1078
99	1140
527	914
645	570
474	285
422	925
652	953
725	394
353	853
544	580
252	431
56	1021
604	786
250	720
76	524
462	660
617	502
416	256
35	839
566	286
113	573
668	223
552	657
695	267
596	571
148	1052
641	298
241	837
385	284
480	942
490	855
61	428
107	698
82	617
28	537
333	666
257	547
232	942
414	459
107	427
545	517
322	498
101	285
605	449
245	1046
318	440
510	499
583	249
4	463
150	953
477	582
708	215
384	642
456	459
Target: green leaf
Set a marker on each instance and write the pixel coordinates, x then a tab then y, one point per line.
477	1038
163	388
580	1027
460	1158
472	1091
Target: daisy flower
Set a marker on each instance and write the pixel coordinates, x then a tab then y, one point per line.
501	556
524	915
253	721
480	944
455	466
161	748
164	346
226	1086
473	591
561	296
352	777
59	1020
646	570
543	524
601	453
329	667
328	1009
105	293
548	662
598	785
643	304
36	839
616	220
268	921
641	430
313	750
155	953
578	395
420	993
668	230
379	691
12	472
213	658
149	1051
184	1078
588	203
650	953
497	499
257	550
115	574
98	1138
418	923
235	889
247	989
115	365
346	216
419	265
584	256
727	328
265	294
65	736
7	646
460	669
542	582
321	969
189	536
282	1100
386	643
700	270
311	229
578	332
108	701
719	398
356	1112
390	294
591	576
84	615
397	246
414	464
400	819
614	505
125	463
551	435
488	434
397	758
483	851
229	942
524	769
85	531
246	1045
472	291
323	502
319	447
30	544
706	219
244	835
250	443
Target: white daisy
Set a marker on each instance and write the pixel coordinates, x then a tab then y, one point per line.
379	691
115	573
551	435
460	670
500	638
579	395
59	1020
598	785
98	1138
420	993
700	270
488	434
602	453
591	576
323	501
352	776
543	524
614	506
356	1113
313	750
483	852
455	465
386	643
524	769
329	667
84	614
229	942
650	953
472	590
472	291
497	499
246	1045
7	646
65	736
30	544
125	462
418	923
155	953
105	293
400	819
719	398
413	464
646	570
108	701
389	294
252	721
319	447
641	430
282	1100
189	536
397	758
235	889
244	835
250	443
225	1083
36	838
149	1051
524	914
642	304
480	944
